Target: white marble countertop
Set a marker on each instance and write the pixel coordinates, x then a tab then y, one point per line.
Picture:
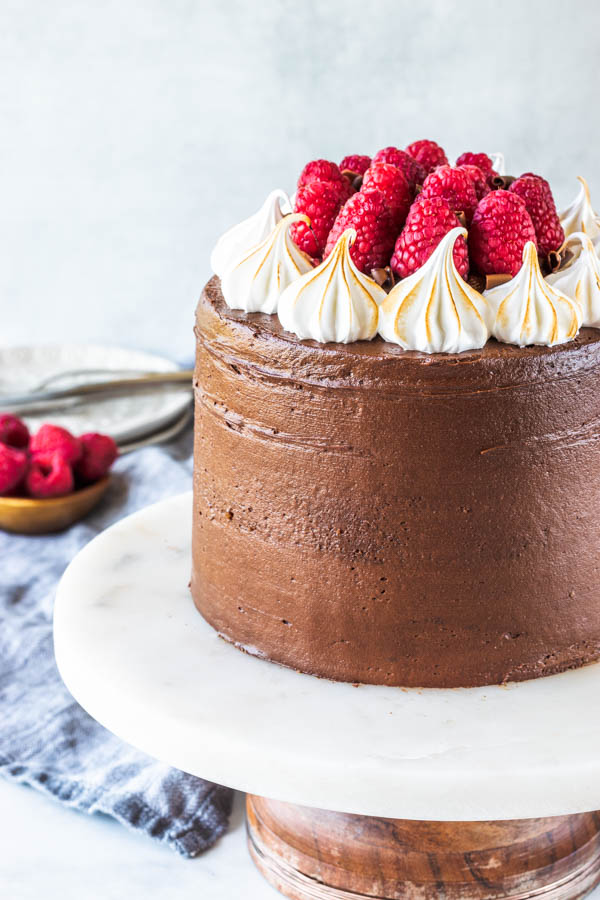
49	852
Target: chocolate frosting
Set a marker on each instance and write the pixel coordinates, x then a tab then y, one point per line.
369	514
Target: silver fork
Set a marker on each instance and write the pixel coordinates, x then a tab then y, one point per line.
78	373
49	399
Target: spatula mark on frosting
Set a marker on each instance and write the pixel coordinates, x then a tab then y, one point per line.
588	433
243	425
252	231
434	310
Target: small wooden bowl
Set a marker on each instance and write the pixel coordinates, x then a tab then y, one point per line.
25	515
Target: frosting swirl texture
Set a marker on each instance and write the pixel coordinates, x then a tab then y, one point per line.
252	231
255	281
529	310
581	279
580	215
434	310
335	302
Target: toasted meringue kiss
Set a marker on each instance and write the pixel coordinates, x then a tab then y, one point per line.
247	234
334	302
255	281
581	279
529	310
579	216
434	310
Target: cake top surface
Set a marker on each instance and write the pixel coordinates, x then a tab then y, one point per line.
259	340
430	257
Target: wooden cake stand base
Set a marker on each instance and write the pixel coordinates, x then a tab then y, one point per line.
313	854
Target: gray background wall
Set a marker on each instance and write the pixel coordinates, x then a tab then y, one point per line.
134	132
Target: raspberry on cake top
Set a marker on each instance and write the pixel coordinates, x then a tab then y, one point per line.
434	257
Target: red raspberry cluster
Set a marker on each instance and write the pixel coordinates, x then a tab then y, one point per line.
51	462
401	203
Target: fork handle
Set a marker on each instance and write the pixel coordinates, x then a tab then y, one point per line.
181	378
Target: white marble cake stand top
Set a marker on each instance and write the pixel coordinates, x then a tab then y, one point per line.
135	653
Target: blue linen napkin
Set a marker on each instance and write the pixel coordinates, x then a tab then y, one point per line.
47	741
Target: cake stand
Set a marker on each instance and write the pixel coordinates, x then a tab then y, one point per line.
495	786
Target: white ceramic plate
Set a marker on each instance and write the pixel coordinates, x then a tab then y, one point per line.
125	418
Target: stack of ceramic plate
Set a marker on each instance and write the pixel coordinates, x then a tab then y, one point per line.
130	419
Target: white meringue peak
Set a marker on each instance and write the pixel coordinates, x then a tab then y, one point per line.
580	215
529	310
335	302
255	281
247	234
498	163
434	310
581	279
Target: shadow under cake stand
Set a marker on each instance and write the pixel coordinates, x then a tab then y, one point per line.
461	793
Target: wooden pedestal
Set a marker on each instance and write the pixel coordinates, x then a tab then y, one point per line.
312	854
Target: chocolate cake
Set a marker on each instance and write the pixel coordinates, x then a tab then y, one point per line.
397	445
369	514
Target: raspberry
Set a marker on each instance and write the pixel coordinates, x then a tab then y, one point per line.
54	439
410	168
429	154
13	432
323	170
355	164
429	219
481	160
477	177
392	184
320	201
49	475
453	185
539	202
370	217
13	466
499	231
99	453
